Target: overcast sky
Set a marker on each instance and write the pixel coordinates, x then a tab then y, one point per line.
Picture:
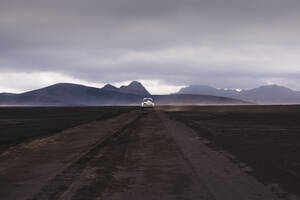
166	44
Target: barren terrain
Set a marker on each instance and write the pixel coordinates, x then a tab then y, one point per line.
19	124
170	152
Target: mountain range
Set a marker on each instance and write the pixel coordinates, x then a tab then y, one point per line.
68	94
269	94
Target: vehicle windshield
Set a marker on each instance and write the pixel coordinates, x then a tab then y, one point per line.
147	99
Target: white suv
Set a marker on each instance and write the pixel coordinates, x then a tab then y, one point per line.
147	103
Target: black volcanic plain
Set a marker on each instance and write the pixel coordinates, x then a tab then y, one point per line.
263	141
267	138
19	124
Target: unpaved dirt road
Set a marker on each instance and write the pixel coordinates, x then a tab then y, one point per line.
137	155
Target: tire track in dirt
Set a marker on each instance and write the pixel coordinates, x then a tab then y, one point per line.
61	182
152	168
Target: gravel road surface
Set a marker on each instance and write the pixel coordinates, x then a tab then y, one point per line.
138	155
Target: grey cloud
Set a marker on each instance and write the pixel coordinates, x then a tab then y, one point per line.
89	40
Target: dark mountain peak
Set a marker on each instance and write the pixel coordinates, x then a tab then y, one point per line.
64	85
134	87
273	88
61	84
135	84
109	87
269	94
61	89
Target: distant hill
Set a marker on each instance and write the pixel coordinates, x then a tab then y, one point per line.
270	94
109	87
133	88
68	94
74	94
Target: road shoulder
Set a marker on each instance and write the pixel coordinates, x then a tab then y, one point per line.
223	178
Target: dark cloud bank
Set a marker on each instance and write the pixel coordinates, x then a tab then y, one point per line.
223	43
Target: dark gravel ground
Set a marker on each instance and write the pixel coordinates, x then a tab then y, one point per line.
143	154
267	138
19	124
